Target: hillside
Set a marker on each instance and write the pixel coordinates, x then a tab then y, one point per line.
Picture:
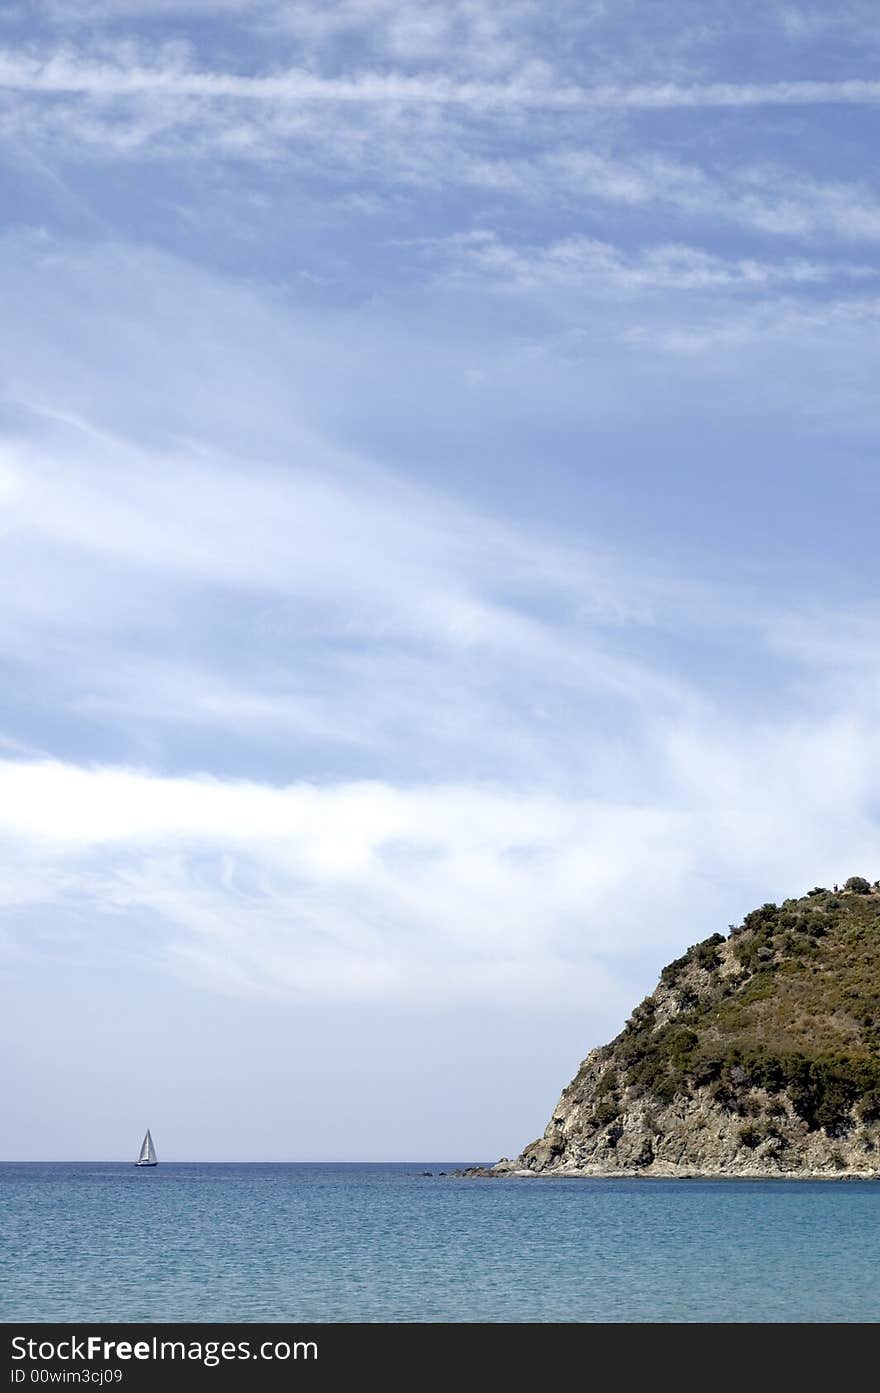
757	1054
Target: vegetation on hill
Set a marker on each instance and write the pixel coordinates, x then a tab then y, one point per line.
789	1003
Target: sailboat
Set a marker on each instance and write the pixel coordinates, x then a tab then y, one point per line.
148	1152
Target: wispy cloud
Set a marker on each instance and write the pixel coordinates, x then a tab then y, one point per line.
352	890
774	321
411	131
773	199
369	891
855	21
460	757
66	72
405	612
337	711
591	264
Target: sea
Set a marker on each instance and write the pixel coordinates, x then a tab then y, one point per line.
192	1242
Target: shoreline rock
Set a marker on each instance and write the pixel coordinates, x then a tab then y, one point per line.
509	1172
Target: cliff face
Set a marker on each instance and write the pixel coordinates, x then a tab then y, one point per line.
758	1054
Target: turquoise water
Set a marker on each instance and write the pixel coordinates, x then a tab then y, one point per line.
382	1243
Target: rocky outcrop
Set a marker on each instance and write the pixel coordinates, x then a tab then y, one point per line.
757	1055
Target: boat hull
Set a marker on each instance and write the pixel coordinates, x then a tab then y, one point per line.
146	1163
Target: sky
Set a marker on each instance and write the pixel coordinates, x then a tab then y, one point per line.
439	568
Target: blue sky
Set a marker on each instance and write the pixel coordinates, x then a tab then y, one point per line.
439	571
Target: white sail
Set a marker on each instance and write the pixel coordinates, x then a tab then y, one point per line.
148	1151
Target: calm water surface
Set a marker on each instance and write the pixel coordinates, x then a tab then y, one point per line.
105	1241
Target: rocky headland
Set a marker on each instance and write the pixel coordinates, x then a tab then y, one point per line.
758	1055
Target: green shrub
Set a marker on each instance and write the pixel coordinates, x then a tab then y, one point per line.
672	971
766	1071
858	885
765	917
608	1083
666	1088
822	1093
759	988
750	1136
706	1068
605	1112
705	954
643	1016
723	1095
869	1107
681	1042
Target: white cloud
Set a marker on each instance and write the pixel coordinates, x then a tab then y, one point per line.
133	72
371	615
773	321
593	265
854	21
637	30
371	891
767	198
333	892
513	136
548	793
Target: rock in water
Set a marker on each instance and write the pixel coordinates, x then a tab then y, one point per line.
757	1055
